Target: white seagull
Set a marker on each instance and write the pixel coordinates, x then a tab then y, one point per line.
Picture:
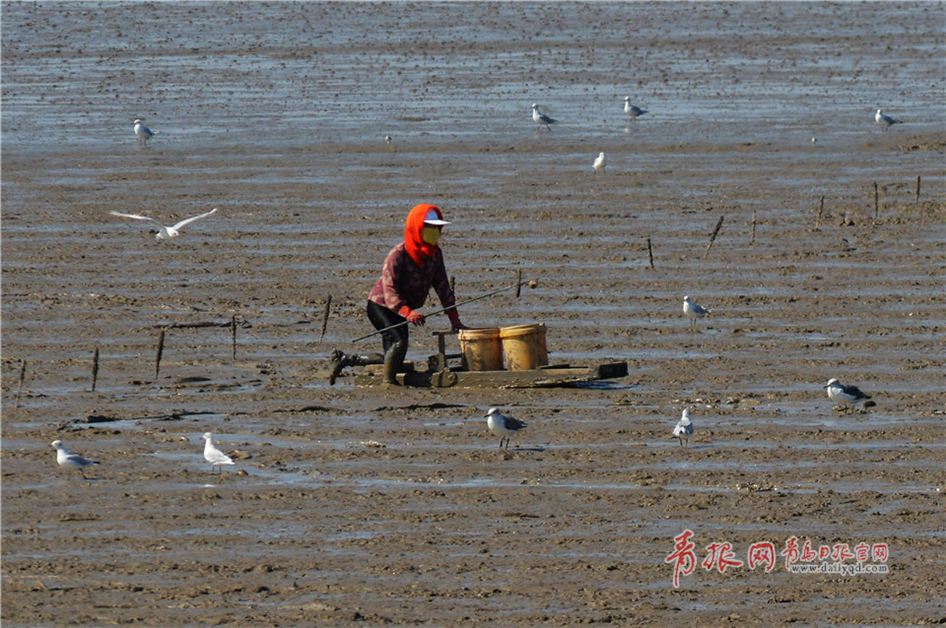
66	458
684	428
213	455
693	311
541	118
165	232
599	163
882	118
503	426
847	395
633	111
142	132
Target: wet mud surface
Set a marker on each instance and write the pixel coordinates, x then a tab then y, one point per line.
350	503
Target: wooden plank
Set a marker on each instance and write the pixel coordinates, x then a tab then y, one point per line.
538	378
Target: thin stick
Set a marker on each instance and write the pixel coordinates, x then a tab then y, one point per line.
16	403
713	236
233	335
518	283
157	359
820	212
532	283
453	284
917	199
650	253
876	201
95	368
328	305
753	228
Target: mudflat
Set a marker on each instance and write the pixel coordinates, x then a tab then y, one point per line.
354	503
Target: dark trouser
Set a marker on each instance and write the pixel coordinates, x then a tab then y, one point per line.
394	340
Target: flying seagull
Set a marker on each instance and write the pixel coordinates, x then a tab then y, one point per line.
684	428
541	118
165	232
66	458
503	426
847	395
882	118
142	132
213	455
633	111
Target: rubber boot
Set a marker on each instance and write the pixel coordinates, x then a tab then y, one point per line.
340	360
393	362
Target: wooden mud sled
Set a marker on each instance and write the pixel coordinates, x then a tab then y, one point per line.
439	374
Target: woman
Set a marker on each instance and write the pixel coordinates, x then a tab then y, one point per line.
410	270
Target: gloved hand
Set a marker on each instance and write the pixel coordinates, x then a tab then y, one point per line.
455	323
416	318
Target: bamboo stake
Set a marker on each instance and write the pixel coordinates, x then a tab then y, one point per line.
233	335
95	368
753	228
820	212
650	253
713	236
157	359
518	283
917	199
19	388
876	201
453	284
328	305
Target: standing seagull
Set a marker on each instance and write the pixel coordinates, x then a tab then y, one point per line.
882	118
599	163
541	118
165	232
213	455
847	395
65	458
633	111
503	426
684	428
142	132
693	311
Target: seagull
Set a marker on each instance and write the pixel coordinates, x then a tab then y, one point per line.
65	458
847	395
684	428
693	311
504	426
213	455
541	118
633	111
882	118
165	232
599	163
142	132
387	139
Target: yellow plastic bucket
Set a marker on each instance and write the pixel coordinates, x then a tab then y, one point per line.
482	349
524	347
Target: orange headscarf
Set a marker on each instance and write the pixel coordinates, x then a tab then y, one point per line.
413	239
